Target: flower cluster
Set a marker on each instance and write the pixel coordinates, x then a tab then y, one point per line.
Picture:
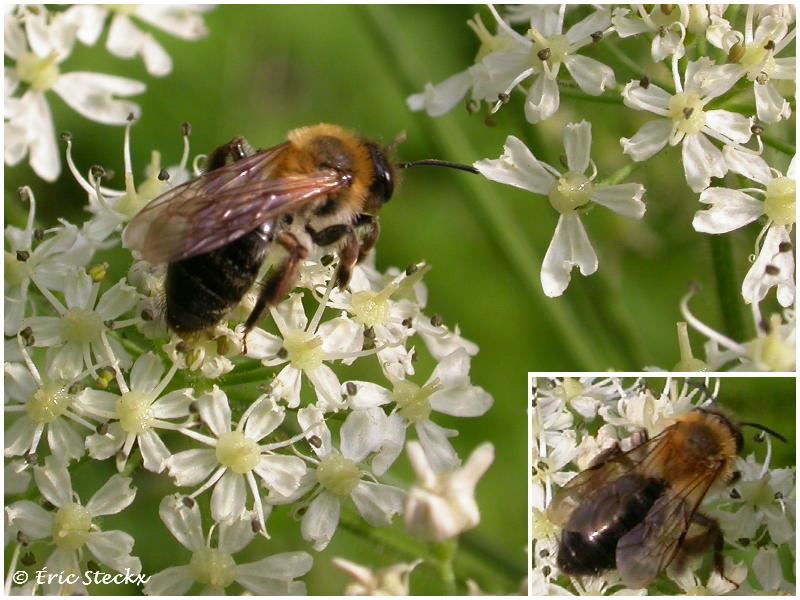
707	64
289	418
38	42
574	421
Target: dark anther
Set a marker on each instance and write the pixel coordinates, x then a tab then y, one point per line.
282	353
66	136
131	118
762	78
687	112
75	388
23	255
412	269
544	54
102	428
24	194
644	82
351	388
326	260
315	441
47	505
255	526
38	234
546	570
784	246
22	539
597	36
544	553
31	458
27	336
163	175
188	502
770	45
369	332
662	31
743	541
408	322
109	324
772	270
147	315
490	121
778	496
437	320
182	347
735	494
97	171
756	129
28	559
186	128
368	344
503	97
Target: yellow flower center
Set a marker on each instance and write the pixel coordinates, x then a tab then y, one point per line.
16	271
552	50
134	412
337	474
686	111
40	73
81	325
570	192
303	349
213	568
757	60
489	43
135	199
372	308
237	452
781	200
413	401
48	403
71	526
771	352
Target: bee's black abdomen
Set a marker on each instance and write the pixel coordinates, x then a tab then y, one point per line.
201	289
589	539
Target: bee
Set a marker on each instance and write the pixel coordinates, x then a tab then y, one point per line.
637	511
322	187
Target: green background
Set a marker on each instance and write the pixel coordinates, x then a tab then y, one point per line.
265	70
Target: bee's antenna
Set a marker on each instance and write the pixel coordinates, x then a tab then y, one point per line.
774	434
432	162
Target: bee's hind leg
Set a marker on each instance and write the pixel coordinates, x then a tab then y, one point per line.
710	537
278	284
371	227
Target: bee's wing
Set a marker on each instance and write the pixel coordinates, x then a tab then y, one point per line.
647	549
222	205
584	485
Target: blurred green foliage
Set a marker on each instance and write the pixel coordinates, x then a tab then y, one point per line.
264	70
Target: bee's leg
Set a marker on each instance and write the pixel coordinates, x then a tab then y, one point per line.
348	252
229	153
711	537
372	230
280	283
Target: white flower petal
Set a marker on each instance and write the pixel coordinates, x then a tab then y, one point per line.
624	199
261	576
182	21
214	410
118	300
651	98
124	38
54	482
190	467
101	447
437	100
19	436
320	521
747	163
730	209
377	502
263	419
41	134
312	420
113	549
598	20
434	439
173	405
518	167
771	106
172	581
732	125
646	142
578	145
362	433
367	395
115	495
281	474
146	373
235	534
327	387
542	100
719	79
64	441
154	451
93	96
31	519
229	496
183	521
569	247
702	160
394	438
757	283
592	76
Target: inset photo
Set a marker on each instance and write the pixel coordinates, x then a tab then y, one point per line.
662	485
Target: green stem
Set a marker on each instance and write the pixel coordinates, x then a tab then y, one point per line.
728	287
445	553
500	223
779	145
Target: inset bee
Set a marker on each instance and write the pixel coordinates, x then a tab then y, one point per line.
637	511
322	187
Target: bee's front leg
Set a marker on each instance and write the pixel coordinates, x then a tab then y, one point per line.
348	251
371	227
280	283
710	537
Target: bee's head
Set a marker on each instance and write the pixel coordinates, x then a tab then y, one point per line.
382	186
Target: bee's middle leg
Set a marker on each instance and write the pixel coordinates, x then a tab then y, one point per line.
372	230
280	283
348	252
711	537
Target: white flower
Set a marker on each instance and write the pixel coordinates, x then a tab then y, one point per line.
667	23
42	406
77	338
235	457
126	40
337	476
448	390
72	528
390	581
685	120
305	346
754	55
441	504
136	414
568	194
37	54
213	566
208	353
38	257
716	585
769	573
731	209
548	462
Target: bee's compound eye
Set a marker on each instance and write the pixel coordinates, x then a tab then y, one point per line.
382	186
